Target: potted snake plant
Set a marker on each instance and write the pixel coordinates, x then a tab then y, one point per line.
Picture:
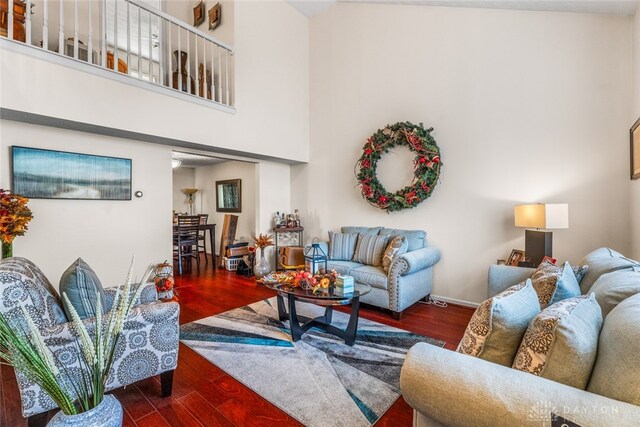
80	396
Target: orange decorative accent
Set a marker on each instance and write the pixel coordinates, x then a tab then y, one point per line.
122	66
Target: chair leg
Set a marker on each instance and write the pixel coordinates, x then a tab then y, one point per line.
166	383
204	246
179	258
397	315
38	420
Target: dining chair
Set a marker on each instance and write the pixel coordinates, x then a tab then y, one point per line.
185	241
202	242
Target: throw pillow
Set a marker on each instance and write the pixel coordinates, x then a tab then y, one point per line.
616	374
397	246
554	283
601	261
497	326
369	249
562	342
612	288
580	271
342	246
81	285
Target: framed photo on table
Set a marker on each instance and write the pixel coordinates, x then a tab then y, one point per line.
635	150
516	257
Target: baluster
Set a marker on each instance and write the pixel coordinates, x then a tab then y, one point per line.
226	74
220	74
179	59
75	29
169	58
103	32
213	75
197	70
60	30
150	50
139	41
161	50
45	25
10	22
205	88
28	23
90	38
115	35
188	61
129	35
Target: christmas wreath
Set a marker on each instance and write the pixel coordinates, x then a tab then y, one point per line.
427	166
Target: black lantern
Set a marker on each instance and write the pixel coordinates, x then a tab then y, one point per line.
315	259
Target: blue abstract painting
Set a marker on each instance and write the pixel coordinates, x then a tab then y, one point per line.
48	174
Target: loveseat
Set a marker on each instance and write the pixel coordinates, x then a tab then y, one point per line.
147	347
409	277
450	388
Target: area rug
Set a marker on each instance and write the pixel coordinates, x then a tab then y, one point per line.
318	380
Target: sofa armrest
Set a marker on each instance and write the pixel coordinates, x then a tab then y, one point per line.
148	294
502	277
455	389
411	262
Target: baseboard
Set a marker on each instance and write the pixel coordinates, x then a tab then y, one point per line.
456	301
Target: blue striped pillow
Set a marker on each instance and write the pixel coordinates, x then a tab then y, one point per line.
81	284
370	249
342	246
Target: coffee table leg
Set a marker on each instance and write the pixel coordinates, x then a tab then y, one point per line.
352	327
328	312
294	324
282	312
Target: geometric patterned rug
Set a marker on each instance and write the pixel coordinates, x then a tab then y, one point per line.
318	380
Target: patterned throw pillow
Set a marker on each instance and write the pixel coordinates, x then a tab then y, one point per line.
496	328
562	341
369	249
580	271
554	283
342	246
397	246
80	283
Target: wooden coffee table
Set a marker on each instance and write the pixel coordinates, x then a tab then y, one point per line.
327	298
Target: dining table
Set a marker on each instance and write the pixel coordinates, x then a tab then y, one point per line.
212	238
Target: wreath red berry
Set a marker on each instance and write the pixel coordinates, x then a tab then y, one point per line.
427	166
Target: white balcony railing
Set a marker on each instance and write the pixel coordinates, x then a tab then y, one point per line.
126	36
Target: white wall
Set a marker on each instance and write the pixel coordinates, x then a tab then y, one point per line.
271	42
183	178
526	106
205	182
635	185
104	233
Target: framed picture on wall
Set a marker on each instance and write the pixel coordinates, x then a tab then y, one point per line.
215	15
229	195
198	14
635	150
46	174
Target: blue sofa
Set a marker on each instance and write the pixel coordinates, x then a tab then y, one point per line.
410	275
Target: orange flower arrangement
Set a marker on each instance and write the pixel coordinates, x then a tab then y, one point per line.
263	240
14	216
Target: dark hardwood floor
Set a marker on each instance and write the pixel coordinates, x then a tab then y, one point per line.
203	394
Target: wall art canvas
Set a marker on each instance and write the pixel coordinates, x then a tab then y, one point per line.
635	150
48	174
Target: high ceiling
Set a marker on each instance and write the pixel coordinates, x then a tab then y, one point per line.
611	7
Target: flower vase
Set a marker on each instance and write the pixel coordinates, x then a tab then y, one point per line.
107	414
7	250
262	268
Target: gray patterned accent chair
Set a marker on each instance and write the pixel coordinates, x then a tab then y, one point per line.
148	346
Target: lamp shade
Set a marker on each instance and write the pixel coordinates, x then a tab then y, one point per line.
542	215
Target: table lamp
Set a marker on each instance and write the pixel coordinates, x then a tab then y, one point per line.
545	216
